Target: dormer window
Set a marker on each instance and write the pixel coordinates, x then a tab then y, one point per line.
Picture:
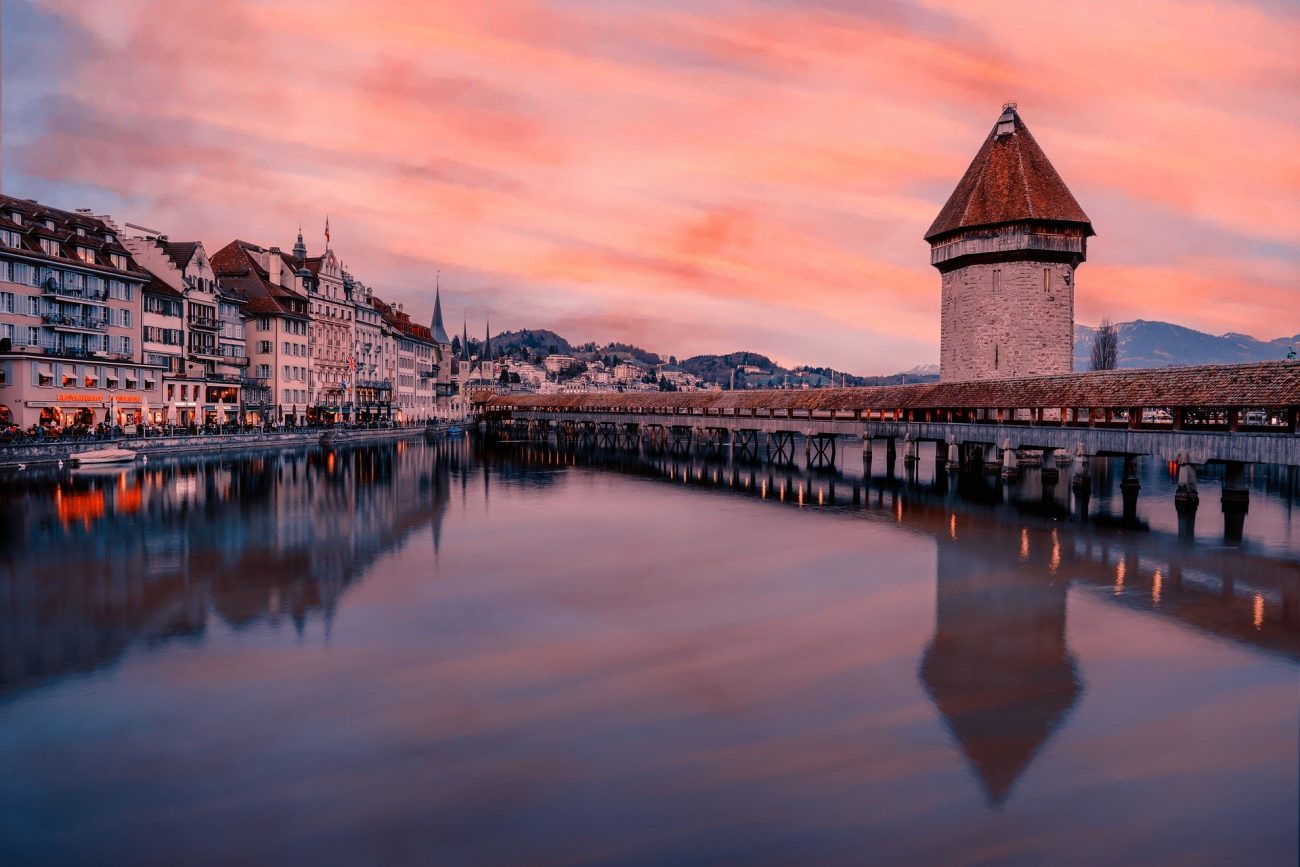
16	216
50	246
119	261
110	237
49	224
86	254
81	230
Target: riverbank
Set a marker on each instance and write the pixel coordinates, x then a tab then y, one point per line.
208	443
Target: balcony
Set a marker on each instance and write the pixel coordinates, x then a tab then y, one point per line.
205	323
205	352
377	384
72	352
51	288
59	322
233	360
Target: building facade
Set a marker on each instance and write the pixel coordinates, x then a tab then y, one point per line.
207	382
331	340
71	352
277	325
1007	244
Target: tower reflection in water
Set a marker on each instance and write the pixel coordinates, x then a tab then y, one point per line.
998	668
99	561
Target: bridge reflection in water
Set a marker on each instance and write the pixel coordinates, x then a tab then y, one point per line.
998	668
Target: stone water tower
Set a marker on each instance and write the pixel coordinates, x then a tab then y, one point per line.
1007	244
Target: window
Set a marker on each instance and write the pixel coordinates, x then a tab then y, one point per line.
997	356
50	246
86	254
6	302
264	346
119	261
33	306
263	323
997	279
1047	279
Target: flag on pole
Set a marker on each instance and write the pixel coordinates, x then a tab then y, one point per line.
327	231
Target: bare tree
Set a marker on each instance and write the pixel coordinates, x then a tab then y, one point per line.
1105	347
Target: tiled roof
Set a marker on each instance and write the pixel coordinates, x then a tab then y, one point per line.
180	252
32	229
1009	181
238	270
1263	384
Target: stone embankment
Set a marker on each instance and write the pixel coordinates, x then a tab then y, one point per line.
207	443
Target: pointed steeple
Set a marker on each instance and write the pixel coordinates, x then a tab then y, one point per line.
487	341
464	339
439	331
299	247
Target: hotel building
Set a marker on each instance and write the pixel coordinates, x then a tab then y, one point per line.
71	350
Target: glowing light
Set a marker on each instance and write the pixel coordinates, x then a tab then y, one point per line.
801	495
1024	543
1055	563
1258	612
1157	584
821	497
1119	577
762	489
952	526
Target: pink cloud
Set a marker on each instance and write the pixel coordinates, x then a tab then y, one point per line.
616	165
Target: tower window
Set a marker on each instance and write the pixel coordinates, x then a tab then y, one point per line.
996	356
997	279
1047	279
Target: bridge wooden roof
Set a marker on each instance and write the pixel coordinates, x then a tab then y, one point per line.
1268	384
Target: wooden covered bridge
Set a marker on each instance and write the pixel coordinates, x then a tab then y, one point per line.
1229	414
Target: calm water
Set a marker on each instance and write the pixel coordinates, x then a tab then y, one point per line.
466	655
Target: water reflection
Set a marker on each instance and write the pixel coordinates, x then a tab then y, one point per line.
998	668
97	560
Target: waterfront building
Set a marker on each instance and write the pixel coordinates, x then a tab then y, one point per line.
331	341
196	331
416	362
373	391
1007	244
70	320
277	326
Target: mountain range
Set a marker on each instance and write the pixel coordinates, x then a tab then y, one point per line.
1142	343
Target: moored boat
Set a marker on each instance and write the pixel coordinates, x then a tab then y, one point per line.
103	456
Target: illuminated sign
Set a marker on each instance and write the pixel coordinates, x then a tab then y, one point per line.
95	398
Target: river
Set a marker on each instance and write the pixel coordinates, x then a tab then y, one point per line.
465	654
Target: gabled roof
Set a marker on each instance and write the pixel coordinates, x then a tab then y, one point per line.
1009	181
64	233
180	252
239	270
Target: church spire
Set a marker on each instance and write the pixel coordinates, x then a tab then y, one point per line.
487	340
299	247
438	329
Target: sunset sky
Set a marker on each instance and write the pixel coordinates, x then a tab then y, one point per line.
691	176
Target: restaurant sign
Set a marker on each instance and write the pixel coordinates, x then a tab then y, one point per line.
65	397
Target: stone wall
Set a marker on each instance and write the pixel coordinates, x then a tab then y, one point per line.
999	320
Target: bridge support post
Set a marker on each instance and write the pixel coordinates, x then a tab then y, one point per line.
819	451
1010	464
1081	484
1186	498
681	439
1050	472
954	455
744	445
780	447
891	456
866	454
911	450
1235	500
1129	488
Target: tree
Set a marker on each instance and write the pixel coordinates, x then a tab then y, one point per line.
455	347
1105	347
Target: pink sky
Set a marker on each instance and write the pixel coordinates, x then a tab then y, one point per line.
692	176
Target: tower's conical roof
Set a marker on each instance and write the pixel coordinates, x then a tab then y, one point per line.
1009	181
438	329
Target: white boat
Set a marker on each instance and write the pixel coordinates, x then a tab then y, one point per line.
103	456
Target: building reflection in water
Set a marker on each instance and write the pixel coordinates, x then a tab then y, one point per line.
99	560
998	668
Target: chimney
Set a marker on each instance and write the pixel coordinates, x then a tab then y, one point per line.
273	265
